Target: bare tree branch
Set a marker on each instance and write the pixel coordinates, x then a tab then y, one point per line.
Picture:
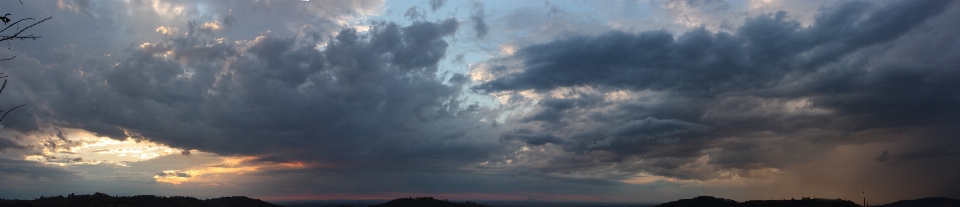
4	86
17	35
5	114
16	26
4	83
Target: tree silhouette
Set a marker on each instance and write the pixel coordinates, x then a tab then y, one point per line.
17	28
14	31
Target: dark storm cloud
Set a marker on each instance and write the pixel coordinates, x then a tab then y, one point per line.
533	139
652	127
759	97
553	109
366	110
763	50
366	99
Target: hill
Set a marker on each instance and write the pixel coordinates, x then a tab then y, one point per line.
805	202
701	201
426	202
925	202
721	202
101	199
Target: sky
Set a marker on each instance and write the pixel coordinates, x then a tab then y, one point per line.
600	101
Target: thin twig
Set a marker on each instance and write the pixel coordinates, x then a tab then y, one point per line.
4	85
5	114
24	29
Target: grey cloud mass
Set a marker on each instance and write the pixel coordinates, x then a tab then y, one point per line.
477	15
760	97
652	127
413	13
698	61
21	168
530	102
436	4
6	143
360	101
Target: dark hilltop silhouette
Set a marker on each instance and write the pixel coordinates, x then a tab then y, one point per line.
104	200
925	202
101	199
426	202
804	202
703	201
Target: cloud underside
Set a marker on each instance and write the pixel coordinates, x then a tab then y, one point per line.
375	93
357	104
862	72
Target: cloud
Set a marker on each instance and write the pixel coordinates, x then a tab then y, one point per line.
915	155
533	139
694	13
413	13
436	4
6	143
173	174
652	127
34	170
458	79
360	101
210	27
744	97
477	16
765	48
83	6
319	97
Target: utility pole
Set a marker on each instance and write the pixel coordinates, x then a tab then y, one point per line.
864	192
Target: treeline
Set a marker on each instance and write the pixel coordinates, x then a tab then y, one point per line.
103	200
426	202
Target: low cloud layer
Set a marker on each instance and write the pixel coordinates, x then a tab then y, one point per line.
10	169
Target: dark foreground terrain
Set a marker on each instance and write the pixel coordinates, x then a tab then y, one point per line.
925	202
426	202
720	202
104	200
805	202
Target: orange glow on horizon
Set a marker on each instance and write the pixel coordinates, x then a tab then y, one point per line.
213	174
516	196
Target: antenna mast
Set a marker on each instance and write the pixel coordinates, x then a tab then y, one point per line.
864	192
